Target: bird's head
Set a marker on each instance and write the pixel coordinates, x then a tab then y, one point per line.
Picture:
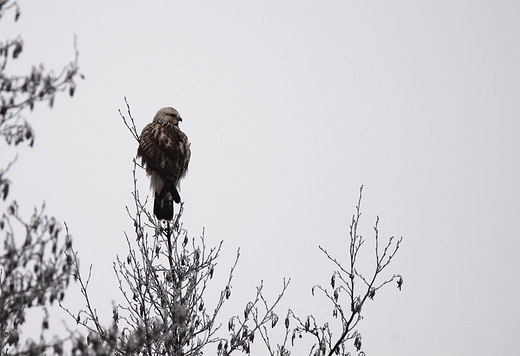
168	114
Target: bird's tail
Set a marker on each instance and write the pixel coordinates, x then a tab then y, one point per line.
163	207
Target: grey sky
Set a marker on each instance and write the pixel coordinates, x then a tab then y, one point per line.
290	107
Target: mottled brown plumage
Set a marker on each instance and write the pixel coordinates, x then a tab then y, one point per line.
165	153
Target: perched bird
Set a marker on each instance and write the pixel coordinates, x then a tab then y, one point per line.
165	154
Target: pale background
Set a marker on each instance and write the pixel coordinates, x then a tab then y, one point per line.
291	106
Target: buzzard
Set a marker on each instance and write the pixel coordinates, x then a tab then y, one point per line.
165	153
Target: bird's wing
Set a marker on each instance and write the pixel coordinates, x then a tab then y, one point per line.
163	149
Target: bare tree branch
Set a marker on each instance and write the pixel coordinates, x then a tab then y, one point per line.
345	280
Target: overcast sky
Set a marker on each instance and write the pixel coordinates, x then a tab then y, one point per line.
291	106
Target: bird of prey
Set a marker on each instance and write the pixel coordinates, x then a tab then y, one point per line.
165	154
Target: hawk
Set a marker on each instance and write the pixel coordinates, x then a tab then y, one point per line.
165	153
